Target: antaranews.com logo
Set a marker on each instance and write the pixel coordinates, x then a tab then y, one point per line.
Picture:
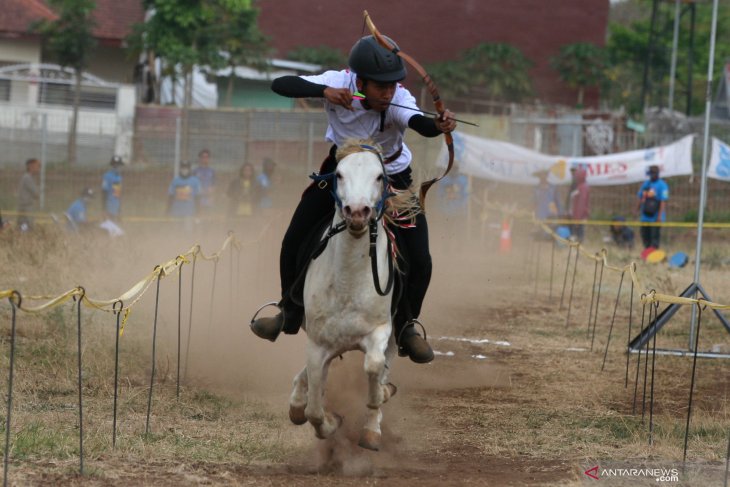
658	474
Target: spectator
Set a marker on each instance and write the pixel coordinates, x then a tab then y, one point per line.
111	189
206	177
652	206
76	213
622	235
453	191
241	192
579	198
547	204
265	180
184	194
29	194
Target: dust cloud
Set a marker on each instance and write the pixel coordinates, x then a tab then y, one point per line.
223	355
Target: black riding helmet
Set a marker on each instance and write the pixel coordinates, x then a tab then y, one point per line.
371	61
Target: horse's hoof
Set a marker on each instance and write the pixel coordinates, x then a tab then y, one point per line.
389	391
370	440
323	430
296	415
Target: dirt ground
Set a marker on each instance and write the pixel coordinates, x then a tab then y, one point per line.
514	397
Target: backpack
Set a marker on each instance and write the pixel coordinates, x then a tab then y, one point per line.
651	206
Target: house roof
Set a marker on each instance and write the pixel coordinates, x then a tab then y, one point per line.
17	15
114	18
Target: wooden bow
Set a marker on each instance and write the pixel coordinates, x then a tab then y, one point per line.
431	86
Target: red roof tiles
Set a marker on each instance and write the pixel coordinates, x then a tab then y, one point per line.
17	15
114	18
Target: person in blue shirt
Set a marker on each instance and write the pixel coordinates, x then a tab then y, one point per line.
76	213
547	203
653	196
264	180
111	189
206	177
453	192
184	194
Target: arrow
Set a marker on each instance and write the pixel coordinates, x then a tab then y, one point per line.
359	96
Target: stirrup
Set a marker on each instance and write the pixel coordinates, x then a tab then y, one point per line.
411	322
272	303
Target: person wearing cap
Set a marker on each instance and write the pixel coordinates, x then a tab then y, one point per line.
76	215
184	195
374	72
111	189
652	206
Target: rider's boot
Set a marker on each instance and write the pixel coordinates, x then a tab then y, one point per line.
288	320
413	345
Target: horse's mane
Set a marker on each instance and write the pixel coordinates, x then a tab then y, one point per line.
402	207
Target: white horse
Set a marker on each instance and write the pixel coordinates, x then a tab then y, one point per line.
343	310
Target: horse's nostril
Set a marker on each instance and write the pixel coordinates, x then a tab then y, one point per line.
347	210
366	212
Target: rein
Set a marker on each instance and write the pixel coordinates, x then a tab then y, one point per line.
331	179
374	260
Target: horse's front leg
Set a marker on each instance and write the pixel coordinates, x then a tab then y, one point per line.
298	398
375	346
325	423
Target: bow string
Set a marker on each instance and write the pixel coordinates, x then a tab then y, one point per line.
431	87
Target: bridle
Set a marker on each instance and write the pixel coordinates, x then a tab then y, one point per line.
331	179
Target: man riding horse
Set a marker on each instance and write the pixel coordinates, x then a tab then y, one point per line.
375	72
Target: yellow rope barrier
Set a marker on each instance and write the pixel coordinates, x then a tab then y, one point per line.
130	297
648	296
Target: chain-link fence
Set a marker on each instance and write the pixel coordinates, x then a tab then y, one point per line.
160	136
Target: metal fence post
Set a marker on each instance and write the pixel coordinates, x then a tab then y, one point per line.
178	132
44	158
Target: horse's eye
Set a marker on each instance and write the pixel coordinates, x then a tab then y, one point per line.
338	176
379	178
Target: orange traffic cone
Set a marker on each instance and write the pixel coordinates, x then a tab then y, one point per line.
505	237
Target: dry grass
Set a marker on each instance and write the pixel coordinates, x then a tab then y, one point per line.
534	412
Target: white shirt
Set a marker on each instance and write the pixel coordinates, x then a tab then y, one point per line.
365	124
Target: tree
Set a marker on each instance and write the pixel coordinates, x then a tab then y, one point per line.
69	40
497	71
241	43
325	56
581	65
627	44
187	33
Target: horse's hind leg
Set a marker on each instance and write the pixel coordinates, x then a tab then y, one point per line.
298	398
325	422
378	393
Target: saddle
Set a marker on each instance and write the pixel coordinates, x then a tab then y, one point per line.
314	244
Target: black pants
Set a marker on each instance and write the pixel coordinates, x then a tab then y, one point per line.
650	236
316	202
578	231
